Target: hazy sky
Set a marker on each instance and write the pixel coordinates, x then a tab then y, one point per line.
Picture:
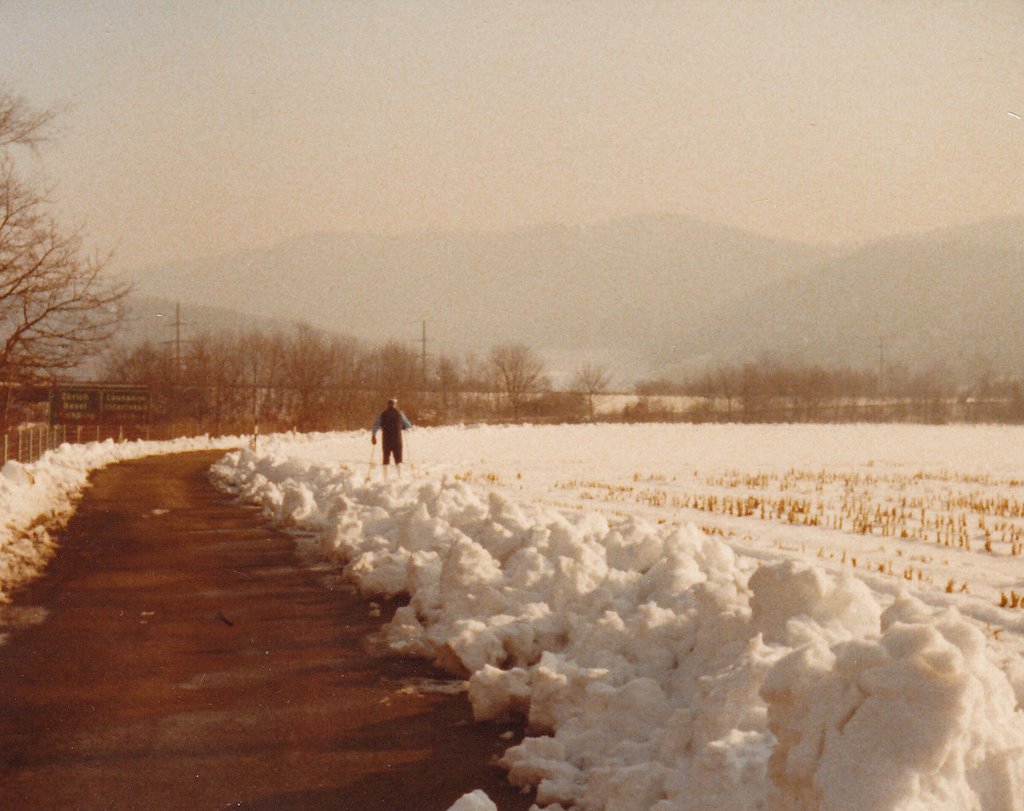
193	128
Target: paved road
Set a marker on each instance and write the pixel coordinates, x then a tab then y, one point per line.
176	655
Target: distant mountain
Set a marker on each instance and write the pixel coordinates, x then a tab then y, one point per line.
620	286
151	318
952	298
646	295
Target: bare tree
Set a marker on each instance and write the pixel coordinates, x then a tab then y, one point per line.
20	123
518	371
448	380
591	379
308	370
145	364
215	390
727	382
396	372
264	373
57	306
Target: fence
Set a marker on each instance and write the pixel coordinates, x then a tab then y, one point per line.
28	443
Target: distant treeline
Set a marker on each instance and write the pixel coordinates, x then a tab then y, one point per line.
308	380
774	391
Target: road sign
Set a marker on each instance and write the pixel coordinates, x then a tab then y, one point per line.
130	404
98	404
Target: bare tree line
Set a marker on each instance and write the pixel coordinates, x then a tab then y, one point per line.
774	391
309	380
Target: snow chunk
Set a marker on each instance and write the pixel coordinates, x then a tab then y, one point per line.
787	596
474	801
916	718
17	474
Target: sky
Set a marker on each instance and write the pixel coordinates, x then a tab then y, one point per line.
191	129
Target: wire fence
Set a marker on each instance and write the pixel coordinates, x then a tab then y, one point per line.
27	444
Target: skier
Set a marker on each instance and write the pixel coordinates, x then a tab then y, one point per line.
391	422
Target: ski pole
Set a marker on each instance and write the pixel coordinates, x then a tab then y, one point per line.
369	470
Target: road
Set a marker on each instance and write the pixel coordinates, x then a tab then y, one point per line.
176	654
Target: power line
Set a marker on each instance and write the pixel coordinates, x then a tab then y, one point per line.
881	366
423	359
177	324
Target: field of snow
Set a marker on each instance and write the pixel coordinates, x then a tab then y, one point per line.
699	617
39	497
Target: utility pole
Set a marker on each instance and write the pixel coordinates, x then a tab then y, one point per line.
176	381
881	367
423	357
177	324
177	336
255	408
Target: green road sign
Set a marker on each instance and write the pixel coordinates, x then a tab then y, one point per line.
99	404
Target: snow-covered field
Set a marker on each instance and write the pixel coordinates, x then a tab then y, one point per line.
37	498
699	617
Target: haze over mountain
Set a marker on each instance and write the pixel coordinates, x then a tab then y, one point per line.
618	287
653	294
951	299
152	318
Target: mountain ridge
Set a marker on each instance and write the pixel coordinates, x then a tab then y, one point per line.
557	286
661	292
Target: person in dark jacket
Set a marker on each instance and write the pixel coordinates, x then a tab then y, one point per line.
391	422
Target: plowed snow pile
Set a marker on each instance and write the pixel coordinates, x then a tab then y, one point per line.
657	667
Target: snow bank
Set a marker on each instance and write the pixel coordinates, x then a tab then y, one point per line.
916	717
35	498
656	668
